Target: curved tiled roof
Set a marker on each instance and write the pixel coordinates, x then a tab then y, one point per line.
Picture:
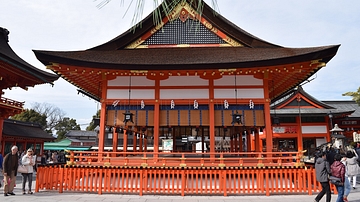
11	65
286	67
16	128
187	58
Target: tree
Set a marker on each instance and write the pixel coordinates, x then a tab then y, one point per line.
167	6
355	95
53	114
92	125
30	115
64	126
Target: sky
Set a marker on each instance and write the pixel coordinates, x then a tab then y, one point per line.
69	25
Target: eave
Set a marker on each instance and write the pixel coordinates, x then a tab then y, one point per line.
286	67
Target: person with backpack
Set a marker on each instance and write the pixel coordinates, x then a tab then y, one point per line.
338	170
322	169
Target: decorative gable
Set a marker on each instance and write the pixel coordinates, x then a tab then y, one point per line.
184	27
188	32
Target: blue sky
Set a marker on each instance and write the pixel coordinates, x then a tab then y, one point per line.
77	25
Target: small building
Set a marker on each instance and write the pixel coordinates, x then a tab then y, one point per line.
299	117
81	140
24	135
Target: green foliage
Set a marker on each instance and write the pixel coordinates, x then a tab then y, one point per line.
30	115
355	95
92	126
64	126
166	5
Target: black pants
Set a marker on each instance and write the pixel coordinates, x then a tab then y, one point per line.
26	177
325	190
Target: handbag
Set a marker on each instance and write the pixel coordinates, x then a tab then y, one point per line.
22	169
335	181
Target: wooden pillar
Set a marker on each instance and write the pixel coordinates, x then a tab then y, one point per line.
241	149
102	115
156	119
141	141
268	126
257	140
299	135
145	141
115	141
2	144
134	141
211	119
328	134
236	148
125	141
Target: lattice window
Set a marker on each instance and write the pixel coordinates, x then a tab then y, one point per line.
188	32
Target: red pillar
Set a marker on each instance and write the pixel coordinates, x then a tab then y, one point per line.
115	141
268	126
102	116
2	144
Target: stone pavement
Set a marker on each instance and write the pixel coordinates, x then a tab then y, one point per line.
48	196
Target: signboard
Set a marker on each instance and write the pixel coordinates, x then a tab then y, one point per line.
285	129
167	145
356	137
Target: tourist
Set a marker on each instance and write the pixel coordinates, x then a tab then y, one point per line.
10	166
352	166
338	170
347	186
28	161
322	169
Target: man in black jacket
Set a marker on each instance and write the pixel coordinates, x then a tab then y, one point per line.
322	169
10	165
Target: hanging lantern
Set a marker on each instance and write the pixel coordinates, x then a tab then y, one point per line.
119	130
236	118
128	116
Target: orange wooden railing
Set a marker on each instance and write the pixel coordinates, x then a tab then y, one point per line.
7	101
178	180
180	173
150	159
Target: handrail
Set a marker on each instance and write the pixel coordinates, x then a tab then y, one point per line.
186	159
11	102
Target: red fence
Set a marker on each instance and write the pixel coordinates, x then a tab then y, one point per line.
180	174
177	181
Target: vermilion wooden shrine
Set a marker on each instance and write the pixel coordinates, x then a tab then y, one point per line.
15	72
174	94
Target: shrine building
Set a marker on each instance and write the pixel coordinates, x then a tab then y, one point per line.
188	106
190	78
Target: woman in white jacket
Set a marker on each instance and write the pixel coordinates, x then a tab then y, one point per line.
28	161
353	167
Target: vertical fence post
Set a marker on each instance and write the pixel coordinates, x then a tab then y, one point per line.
223	178
183	182
60	179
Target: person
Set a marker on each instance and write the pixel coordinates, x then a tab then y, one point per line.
10	166
28	161
338	170
353	167
54	157
347	186
322	170
330	154
1	165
